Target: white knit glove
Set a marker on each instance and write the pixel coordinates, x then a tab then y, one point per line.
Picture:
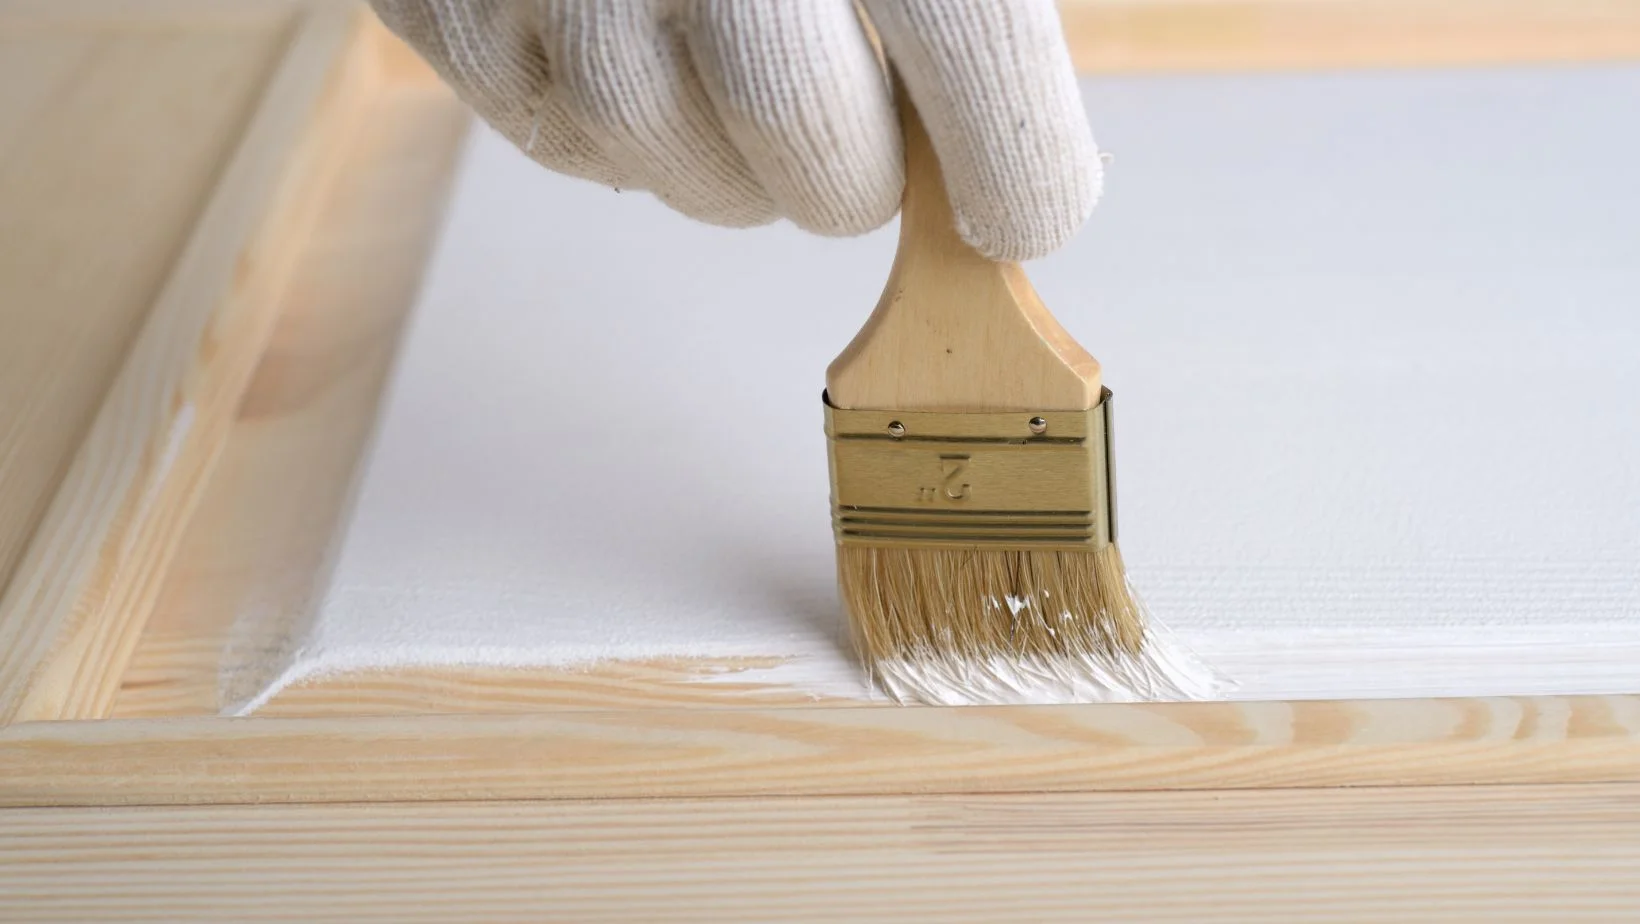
738	112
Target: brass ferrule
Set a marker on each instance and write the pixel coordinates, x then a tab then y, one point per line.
1022	480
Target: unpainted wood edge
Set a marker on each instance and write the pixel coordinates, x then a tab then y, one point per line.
54	15
399	63
1126	36
117	515
1457	855
386	183
636	754
1118	36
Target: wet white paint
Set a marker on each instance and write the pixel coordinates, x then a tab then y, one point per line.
1373	339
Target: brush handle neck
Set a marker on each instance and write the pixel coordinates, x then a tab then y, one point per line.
955	330
928	226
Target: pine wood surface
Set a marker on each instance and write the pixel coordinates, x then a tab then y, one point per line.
1460	854
257	545
83	250
1125	36
706	752
71	613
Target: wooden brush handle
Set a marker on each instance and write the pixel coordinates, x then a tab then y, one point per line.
955	331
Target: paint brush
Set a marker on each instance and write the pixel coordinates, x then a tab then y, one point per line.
973	501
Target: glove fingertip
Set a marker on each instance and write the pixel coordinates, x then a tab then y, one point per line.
1017	235
858	210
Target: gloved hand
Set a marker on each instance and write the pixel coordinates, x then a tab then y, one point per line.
739	112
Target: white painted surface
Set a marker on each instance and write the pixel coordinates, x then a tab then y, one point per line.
1375	341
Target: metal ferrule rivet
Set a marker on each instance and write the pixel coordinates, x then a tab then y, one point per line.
1038	426
896	429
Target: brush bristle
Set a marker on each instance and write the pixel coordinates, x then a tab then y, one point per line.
960	626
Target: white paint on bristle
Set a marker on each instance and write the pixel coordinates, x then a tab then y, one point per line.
1162	671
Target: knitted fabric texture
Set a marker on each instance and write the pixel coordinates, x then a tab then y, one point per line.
742	112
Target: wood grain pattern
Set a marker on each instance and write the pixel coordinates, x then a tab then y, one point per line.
651	753
1504	853
110	145
676	683
1174	35
955	331
257	546
1126	36
71	614
123	17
